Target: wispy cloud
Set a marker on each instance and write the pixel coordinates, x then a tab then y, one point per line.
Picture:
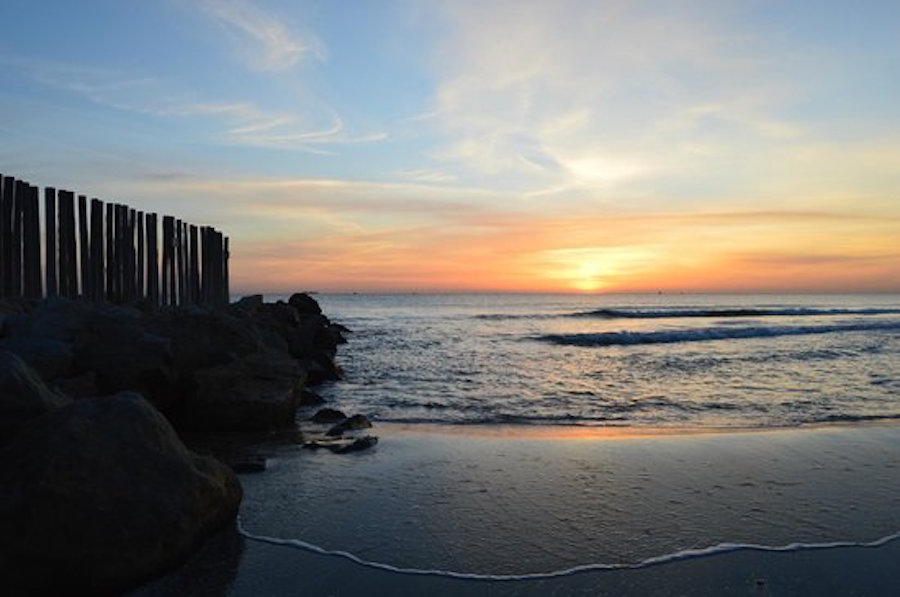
266	42
615	96
238	122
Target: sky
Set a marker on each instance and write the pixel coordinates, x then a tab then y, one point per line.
523	146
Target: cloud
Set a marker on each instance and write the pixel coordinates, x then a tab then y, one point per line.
241	122
586	100
272	45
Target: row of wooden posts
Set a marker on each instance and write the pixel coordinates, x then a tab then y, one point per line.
112	255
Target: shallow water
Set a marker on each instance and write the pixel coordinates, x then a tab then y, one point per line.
659	360
508	505
472	496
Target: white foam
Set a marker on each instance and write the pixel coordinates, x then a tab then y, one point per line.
626	338
686	554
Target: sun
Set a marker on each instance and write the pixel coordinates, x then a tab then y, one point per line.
591	269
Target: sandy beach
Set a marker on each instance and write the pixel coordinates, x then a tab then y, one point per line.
521	510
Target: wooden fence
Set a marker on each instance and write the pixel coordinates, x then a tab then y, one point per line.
108	252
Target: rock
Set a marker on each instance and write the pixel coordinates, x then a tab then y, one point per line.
304	304
257	393
357	445
302	337
50	357
101	494
321	368
79	386
328	415
250	303
310	398
256	464
342	446
342	328
202	338
350	424
328	337
23	396
124	357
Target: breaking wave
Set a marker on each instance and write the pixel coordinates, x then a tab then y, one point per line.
677	556
728	312
626	338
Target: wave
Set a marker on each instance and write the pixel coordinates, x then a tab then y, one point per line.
728	312
626	338
677	556
693	312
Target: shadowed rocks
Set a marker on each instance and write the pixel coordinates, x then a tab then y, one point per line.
100	494
237	369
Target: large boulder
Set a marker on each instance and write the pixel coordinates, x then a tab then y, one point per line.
23	396
123	356
101	494
304	304
256	393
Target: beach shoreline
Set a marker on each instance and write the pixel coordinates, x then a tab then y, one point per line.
848	467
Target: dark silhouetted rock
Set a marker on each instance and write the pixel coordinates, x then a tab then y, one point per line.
350	424
251	302
255	464
357	445
321	368
310	398
257	393
328	415
304	304
229	369
101	494
23	396
124	357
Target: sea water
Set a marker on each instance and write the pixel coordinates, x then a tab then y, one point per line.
658	360
758	380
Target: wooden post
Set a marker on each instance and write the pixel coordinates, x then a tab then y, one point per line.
110	253
96	252
139	273
225	275
204	267
50	240
31	253
9	211
186	257
119	253
68	277
9	217
168	273
194	268
130	263
84	247
217	268
18	201
179	264
152	261
4	234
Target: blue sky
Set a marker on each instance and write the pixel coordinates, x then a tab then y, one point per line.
479	145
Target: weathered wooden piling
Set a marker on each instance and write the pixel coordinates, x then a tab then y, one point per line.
104	251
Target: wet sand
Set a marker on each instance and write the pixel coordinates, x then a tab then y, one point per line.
515	502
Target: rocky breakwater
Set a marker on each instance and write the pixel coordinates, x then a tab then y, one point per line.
97	490
244	368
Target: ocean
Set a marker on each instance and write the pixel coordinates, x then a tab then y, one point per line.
698	361
562	439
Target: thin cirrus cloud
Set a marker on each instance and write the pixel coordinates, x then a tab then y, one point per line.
238	122
265	42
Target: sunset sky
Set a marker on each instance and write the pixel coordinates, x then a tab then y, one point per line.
451	146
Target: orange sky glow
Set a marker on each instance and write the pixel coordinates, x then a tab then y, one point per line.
397	146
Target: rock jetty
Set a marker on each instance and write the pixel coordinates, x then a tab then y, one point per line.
97	490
